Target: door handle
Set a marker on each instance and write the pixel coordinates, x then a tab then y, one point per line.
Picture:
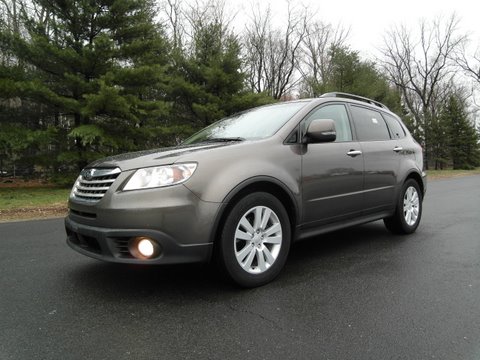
397	149
354	153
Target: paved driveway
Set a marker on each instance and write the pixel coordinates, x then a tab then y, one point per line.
360	293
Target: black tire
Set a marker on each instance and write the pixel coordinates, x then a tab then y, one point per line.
397	223
229	244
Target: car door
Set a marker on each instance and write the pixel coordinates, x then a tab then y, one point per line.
382	162
332	173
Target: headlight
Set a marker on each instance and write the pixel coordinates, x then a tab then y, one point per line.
72	192
160	176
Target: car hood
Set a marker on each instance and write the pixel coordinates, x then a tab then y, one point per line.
155	157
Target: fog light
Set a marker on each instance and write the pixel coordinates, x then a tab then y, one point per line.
144	248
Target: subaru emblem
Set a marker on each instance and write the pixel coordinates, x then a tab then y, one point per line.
88	174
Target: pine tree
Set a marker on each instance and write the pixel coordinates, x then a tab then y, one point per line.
463	138
207	82
349	73
99	64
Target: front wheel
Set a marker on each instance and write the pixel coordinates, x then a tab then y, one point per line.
255	240
408	210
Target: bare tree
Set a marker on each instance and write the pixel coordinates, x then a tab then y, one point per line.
10	10
202	12
469	64
419	65
317	50
272	55
172	12
184	19
9	23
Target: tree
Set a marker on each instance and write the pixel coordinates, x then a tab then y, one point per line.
318	46
348	73
207	81
174	17
462	137
14	141
419	66
99	63
273	55
469	64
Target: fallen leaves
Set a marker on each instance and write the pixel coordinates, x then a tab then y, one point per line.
32	213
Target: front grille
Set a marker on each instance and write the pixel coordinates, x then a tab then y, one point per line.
92	184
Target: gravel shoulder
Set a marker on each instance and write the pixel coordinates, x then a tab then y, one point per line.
35	213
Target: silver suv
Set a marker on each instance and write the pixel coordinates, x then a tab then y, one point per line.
242	189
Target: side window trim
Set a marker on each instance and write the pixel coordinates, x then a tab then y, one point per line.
352	123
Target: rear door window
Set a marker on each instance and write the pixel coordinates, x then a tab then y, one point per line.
369	124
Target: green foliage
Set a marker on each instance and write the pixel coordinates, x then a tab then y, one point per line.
107	101
207	82
96	63
352	75
64	179
87	134
99	77
14	140
462	137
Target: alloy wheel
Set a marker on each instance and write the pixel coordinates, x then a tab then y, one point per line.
258	239
411	204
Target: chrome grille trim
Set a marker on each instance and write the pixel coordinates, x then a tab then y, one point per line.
92	184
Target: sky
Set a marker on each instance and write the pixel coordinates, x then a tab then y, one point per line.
369	19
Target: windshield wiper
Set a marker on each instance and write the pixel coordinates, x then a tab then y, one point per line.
225	139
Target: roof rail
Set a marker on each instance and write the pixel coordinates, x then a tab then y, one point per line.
355	97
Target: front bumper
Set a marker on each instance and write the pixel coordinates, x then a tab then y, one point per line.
176	219
113	245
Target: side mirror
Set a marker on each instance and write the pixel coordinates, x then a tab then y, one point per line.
320	130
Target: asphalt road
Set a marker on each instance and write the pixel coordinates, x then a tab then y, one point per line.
360	293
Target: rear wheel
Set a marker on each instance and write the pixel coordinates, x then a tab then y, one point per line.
408	210
255	240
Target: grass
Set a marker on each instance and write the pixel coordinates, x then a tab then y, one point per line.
32	197
443	174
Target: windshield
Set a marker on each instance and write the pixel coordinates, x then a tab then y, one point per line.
254	124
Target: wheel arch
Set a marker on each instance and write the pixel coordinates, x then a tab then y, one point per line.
264	184
418	178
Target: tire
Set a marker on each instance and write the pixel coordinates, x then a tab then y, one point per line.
255	240
408	210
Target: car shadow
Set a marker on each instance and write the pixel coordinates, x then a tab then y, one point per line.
192	281
136	282
369	237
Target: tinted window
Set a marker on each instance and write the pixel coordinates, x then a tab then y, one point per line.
396	130
337	113
369	124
